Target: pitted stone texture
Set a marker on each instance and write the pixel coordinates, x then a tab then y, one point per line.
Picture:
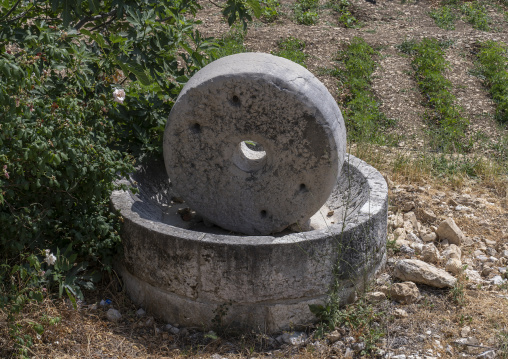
274	103
185	271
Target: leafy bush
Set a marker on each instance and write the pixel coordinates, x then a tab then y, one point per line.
364	120
493	67
444	17
230	44
85	88
292	48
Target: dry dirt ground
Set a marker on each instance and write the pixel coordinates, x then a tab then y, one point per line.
436	322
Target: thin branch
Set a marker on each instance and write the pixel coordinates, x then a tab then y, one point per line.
86	19
215	4
11	10
104	24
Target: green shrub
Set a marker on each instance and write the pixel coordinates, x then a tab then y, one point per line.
493	65
364	120
292	48
444	17
230	44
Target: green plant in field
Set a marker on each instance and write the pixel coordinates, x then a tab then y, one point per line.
364	120
270	10
476	14
343	8
448	125
306	12
291	48
230	44
492	65
444	17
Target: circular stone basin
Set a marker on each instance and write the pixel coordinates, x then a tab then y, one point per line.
187	271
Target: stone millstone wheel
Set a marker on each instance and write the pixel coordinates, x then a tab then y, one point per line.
254	143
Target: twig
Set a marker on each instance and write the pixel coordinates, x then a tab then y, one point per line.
215	4
86	19
11	10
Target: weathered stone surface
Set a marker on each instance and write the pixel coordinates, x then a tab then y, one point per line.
280	106
113	315
453	251
429	237
450	231
374	297
426	215
453	265
420	272
183	271
406	292
430	253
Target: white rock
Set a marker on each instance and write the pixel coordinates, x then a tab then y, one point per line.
374	297
418	271
399	234
430	253
294	338
383	279
449	230
473	276
498	280
464	332
453	251
454	266
400	313
113	315
406	292
398	221
140	312
429	237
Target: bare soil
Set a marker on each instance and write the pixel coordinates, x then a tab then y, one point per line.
434	322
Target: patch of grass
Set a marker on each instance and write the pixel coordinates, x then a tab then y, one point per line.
292	48
230	44
429	64
343	8
306	12
476	14
444	17
364	120
492	65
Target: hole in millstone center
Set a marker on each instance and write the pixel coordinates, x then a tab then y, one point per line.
249	156
263	214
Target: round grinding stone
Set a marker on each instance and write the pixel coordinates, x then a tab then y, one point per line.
254	143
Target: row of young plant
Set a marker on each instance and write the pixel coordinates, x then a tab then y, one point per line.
474	13
364	120
492	64
447	124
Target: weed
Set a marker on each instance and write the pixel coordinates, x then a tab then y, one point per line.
457	293
476	15
492	65
292	48
444	17
306	12
364	119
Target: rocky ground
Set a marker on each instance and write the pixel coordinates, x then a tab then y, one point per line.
444	290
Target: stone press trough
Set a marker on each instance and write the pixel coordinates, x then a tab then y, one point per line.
256	210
